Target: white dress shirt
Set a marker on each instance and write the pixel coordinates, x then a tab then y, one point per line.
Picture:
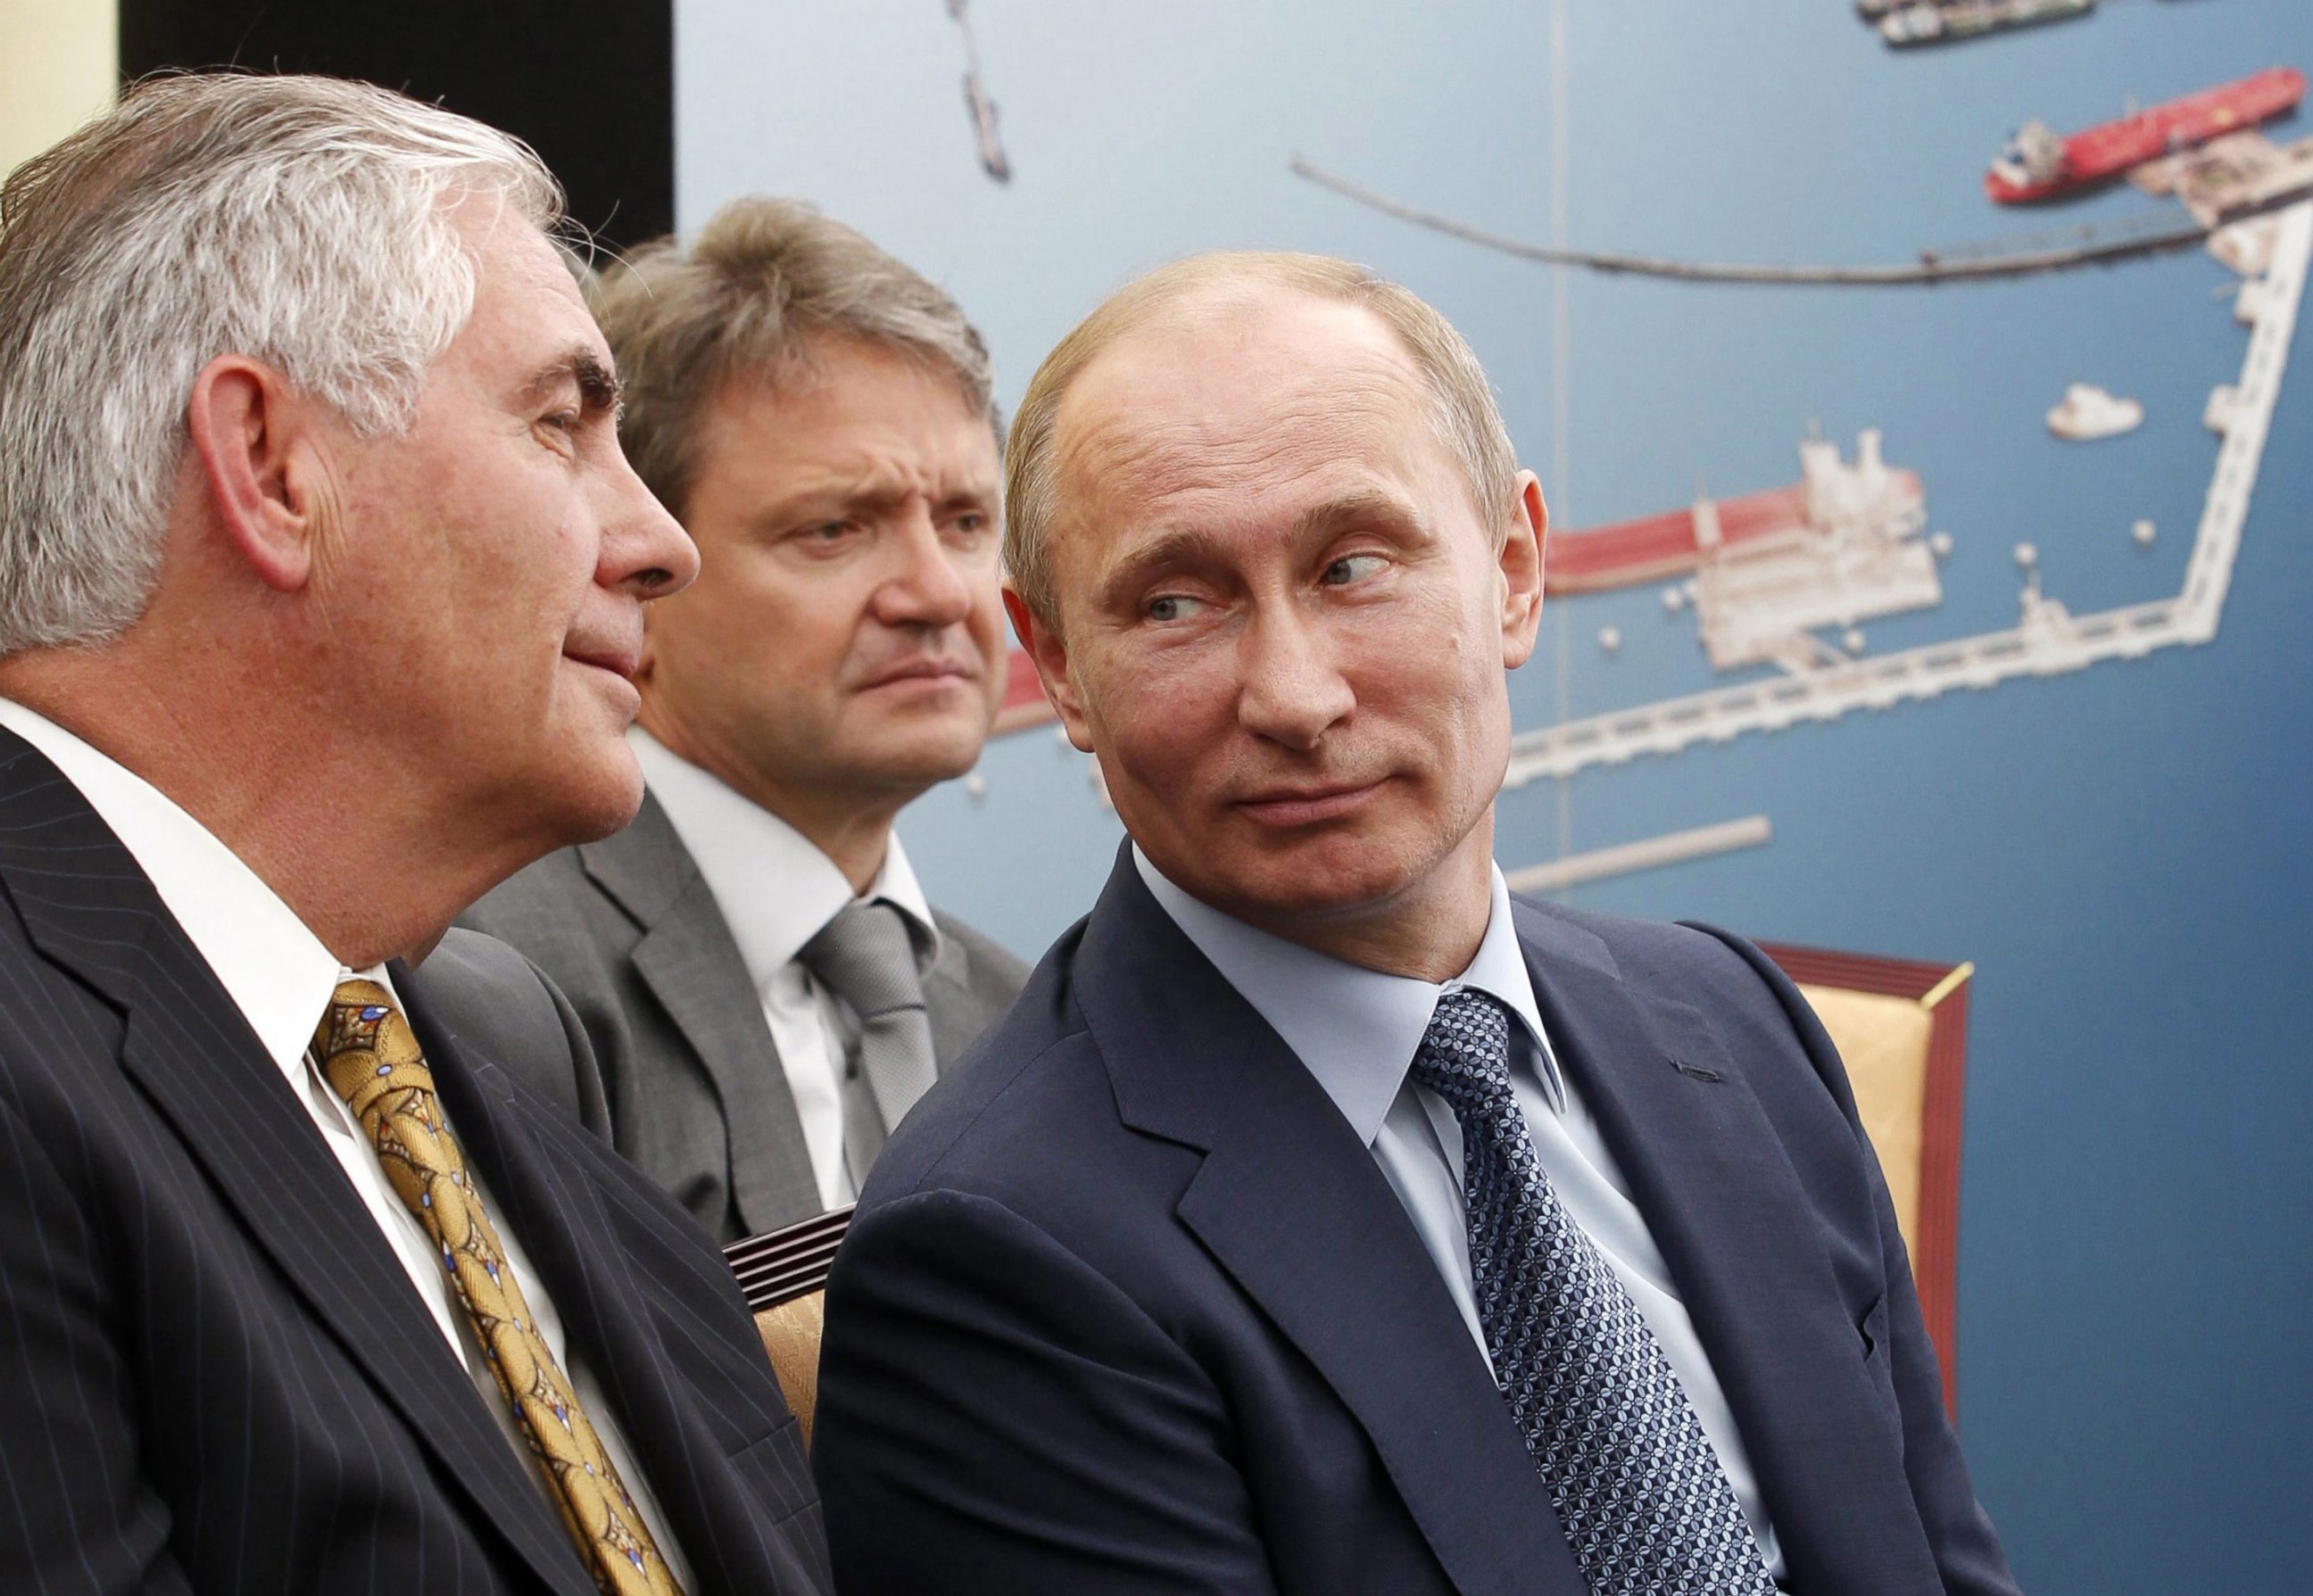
1357	1030
281	977
776	891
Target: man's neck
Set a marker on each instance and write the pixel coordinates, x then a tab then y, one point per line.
852	827
1428	931
272	800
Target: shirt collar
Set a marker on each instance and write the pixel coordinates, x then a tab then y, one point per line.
269	963
1355	1030
774	886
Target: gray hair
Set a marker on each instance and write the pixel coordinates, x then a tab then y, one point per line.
1464	413
303	221
746	298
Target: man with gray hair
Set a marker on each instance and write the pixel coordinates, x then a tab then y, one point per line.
765	985
1322	1219
321	582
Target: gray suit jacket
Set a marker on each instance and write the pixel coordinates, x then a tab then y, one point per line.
694	1092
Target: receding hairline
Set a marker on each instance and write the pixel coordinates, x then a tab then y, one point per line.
1247	301
1464	413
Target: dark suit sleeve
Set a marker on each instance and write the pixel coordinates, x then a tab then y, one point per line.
1967	1549
995	1416
76	1513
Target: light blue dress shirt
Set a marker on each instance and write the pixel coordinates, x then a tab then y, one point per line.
1355	1030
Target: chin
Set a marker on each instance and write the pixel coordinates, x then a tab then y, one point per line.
926	756
594	797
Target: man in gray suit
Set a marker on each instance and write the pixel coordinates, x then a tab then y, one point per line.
764	983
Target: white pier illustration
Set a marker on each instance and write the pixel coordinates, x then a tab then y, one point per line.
2271	253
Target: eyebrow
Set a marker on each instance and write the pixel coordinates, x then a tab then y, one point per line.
1183	546
1190	546
598	389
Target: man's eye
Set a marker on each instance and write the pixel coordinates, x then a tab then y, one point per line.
1351	567
825	532
1172	607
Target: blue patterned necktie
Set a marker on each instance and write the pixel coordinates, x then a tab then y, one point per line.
1637	1488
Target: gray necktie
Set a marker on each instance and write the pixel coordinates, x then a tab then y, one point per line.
868	958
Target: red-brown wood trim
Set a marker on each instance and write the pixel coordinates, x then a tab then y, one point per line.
1935	1259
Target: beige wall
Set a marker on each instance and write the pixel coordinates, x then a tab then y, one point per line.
59	62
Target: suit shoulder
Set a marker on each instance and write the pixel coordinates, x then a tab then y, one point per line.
495	1000
1021	1102
539	893
989	966
1690	960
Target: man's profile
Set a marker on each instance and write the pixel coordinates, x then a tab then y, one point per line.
766	986
321	585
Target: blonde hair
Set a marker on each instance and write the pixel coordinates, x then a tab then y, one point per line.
1467	421
763	278
304	222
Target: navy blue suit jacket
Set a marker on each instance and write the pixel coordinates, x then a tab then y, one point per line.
213	1375
1127	1307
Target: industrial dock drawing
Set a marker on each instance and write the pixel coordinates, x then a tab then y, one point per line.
1908	24
2039	164
2048	639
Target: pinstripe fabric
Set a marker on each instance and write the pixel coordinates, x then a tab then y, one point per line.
215	1377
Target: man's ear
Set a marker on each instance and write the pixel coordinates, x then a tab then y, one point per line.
1521	571
1052	657
253	436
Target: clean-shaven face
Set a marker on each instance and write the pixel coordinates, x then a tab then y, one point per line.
845	639
489	593
1286	624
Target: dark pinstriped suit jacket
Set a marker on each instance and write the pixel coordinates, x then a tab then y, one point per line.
214	1375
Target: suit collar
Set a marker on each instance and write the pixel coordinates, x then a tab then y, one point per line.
1290	1203
1355	1030
269	963
777	889
644	868
86	906
687	958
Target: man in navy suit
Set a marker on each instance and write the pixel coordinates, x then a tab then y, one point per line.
321	579
1322	1219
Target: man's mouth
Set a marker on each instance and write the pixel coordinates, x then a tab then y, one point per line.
621	662
937	669
1306	804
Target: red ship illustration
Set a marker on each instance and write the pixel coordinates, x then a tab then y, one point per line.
2041	164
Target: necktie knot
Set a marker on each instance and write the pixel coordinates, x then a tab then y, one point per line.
1464	1056
866	957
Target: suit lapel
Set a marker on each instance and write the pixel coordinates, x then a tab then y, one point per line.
1297	1212
1709	1171
186	1044
687	959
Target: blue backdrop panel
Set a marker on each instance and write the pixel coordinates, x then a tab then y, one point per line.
2121	851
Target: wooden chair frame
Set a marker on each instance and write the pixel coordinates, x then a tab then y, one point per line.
1941	989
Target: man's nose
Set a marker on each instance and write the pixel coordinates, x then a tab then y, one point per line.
924	585
645	552
1292	692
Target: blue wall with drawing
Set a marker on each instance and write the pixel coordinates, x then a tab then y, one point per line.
2123	852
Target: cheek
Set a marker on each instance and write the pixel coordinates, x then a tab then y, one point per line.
1162	715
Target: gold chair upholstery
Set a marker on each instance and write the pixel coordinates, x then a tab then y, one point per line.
1901	1028
783	1274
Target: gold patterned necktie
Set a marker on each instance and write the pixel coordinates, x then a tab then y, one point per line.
371	1058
